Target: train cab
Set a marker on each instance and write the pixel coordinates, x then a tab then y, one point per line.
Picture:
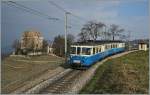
85	55
80	54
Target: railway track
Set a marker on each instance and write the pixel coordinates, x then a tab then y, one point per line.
62	85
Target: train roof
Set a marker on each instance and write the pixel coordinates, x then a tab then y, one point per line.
97	42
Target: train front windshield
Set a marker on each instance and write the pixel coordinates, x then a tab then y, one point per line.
73	50
80	51
86	51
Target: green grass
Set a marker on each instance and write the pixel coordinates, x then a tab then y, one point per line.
16	73
124	75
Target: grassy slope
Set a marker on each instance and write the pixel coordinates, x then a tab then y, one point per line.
14	73
126	74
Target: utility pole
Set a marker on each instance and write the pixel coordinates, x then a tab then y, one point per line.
66	26
109	34
129	36
105	32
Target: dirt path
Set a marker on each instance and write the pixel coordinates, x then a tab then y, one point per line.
39	79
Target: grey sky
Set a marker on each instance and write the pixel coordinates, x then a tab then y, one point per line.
129	14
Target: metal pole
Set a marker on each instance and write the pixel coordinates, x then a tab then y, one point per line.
66	36
129	35
129	40
105	32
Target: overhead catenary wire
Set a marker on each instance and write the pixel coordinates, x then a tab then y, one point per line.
70	13
36	12
59	7
30	10
62	9
11	5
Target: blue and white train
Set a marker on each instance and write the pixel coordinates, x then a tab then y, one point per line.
86	54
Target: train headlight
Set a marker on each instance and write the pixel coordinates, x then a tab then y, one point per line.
83	57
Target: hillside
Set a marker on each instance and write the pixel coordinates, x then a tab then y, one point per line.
124	75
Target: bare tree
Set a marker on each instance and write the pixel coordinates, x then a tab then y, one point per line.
84	35
70	38
115	31
108	35
33	46
123	37
45	44
58	44
16	45
91	30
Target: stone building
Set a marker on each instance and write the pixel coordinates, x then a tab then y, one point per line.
32	40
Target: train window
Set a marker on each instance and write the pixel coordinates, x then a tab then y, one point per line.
108	46
96	50
78	50
111	45
73	50
114	45
100	49
93	50
86	51
105	46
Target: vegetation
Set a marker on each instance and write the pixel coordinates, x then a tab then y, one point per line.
59	44
17	70
45	45
124	75
16	45
92	30
115	31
